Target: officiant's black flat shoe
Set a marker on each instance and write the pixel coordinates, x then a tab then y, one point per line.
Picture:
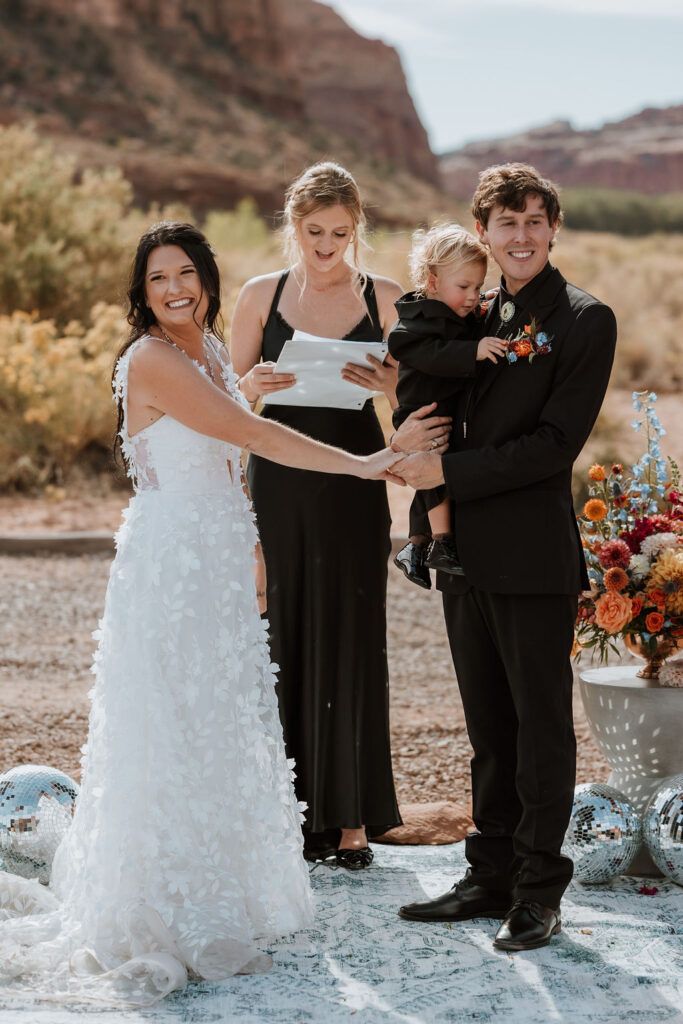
463	902
528	925
410	560
315	854
355	860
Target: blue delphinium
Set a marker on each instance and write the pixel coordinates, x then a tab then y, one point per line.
653	483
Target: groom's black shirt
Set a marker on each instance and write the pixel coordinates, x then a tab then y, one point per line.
509	471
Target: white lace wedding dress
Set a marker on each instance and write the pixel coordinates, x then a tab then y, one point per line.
185	846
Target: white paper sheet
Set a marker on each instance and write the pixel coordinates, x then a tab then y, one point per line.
317	363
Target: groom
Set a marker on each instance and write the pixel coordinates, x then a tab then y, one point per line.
510	620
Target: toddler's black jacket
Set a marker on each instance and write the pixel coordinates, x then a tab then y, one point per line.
436	350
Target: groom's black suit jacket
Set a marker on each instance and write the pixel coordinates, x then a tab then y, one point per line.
509	478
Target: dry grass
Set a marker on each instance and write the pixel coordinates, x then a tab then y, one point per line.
54	397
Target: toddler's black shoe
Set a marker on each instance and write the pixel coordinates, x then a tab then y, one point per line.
442	554
410	560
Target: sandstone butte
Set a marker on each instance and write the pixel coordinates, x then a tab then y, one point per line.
206	101
642	153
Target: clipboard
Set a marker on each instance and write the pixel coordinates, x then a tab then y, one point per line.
317	363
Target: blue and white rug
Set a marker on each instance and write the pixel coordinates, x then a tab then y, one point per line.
619	958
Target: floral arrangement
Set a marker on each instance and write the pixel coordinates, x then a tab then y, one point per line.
528	343
632	533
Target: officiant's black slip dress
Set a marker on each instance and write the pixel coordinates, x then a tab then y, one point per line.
326	545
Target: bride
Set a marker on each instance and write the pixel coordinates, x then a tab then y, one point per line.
185	846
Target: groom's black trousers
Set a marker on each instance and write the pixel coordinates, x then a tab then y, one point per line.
512	658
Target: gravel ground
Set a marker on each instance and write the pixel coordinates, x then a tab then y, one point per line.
50	605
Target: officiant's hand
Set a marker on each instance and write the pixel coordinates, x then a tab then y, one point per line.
421	470
262	380
377	376
421	432
260	579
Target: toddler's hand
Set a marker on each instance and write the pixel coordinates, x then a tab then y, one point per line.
489	348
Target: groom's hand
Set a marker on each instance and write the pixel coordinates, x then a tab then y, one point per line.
421	470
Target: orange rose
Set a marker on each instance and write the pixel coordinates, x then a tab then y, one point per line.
637	603
615	579
612	611
656	596
522	348
597	472
595	510
654	622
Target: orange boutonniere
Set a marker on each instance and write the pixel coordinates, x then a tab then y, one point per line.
529	343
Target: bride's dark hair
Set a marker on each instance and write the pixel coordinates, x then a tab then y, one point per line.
140	316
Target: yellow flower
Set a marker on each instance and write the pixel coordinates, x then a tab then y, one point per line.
667	575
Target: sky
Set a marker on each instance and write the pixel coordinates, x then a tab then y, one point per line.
483	70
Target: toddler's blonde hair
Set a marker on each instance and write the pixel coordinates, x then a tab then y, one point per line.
440	247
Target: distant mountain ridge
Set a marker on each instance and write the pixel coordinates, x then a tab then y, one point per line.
206	101
643	153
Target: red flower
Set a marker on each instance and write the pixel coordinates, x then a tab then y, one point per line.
614	554
637	603
654	622
643	528
617	468
656	596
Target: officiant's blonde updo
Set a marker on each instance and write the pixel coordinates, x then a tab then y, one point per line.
322	185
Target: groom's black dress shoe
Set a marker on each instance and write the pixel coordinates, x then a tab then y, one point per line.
461	903
528	925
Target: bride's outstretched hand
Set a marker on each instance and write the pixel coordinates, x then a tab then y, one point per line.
378	466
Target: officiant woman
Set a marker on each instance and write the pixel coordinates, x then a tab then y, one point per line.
326	539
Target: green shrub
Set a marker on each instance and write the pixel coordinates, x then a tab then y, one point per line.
65	242
622	212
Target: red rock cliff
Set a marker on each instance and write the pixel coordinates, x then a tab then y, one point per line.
208	100
643	153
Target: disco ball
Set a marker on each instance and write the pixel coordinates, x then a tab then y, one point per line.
604	833
663	828
36	808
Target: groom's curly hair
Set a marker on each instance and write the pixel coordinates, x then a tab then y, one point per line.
508	185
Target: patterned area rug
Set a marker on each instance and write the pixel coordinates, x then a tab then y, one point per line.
619	958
